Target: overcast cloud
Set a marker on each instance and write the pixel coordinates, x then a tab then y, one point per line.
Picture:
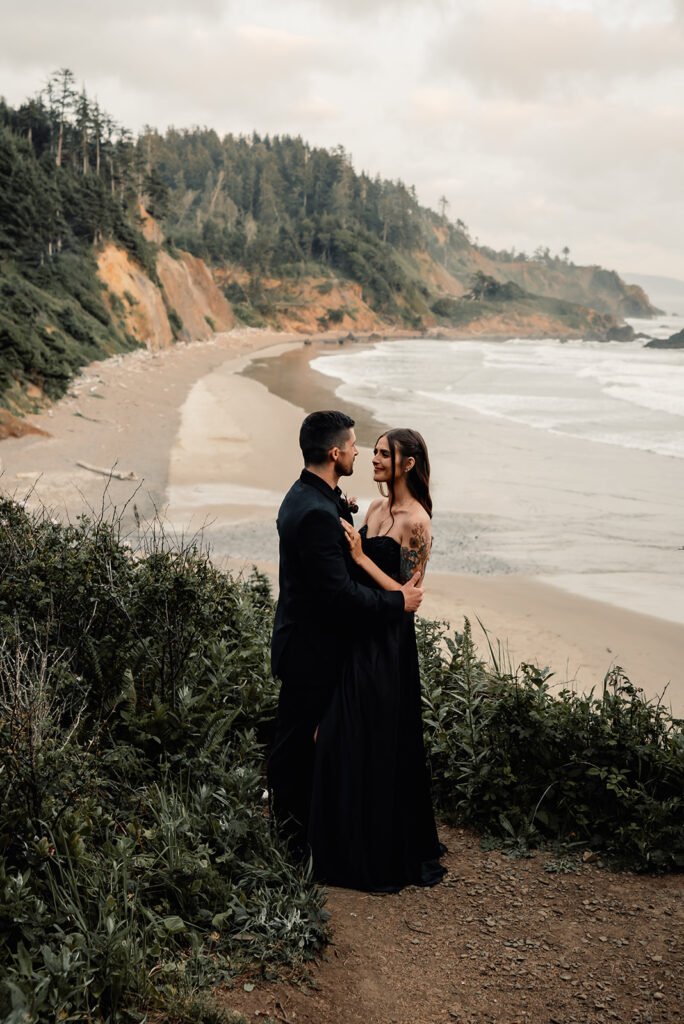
544	122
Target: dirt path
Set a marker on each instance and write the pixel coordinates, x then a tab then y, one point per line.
499	940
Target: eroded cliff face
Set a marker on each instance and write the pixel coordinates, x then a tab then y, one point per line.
316	298
186	303
521	324
591	286
438	277
141	308
310	304
13	426
191	291
594	287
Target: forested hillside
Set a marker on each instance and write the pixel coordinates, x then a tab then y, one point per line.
66	184
282	225
276	205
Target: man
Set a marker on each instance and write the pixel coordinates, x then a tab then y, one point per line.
318	608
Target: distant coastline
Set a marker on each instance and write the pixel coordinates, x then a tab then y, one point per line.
665	292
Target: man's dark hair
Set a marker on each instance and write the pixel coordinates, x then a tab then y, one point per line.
322	431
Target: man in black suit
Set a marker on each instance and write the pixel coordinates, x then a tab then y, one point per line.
318	607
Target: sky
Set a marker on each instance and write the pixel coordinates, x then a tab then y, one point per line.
543	122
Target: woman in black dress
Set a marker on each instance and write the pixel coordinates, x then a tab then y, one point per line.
371	825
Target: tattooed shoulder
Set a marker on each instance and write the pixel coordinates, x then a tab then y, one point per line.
415	550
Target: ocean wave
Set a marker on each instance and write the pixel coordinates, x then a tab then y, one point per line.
613	393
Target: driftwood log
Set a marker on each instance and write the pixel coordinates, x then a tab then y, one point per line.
116	473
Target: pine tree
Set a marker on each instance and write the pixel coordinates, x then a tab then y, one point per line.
61	98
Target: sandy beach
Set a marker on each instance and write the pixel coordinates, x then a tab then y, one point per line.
123	413
212	449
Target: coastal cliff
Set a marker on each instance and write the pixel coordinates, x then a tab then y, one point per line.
602	290
182	303
108	244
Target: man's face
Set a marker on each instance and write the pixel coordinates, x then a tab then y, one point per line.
344	463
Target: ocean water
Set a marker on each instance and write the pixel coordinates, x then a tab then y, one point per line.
611	393
563	460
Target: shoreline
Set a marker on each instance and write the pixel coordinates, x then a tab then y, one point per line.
190	418
295	381
503	505
123	412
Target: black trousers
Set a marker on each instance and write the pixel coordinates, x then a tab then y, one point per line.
305	691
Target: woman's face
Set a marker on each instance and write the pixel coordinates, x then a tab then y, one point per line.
382	461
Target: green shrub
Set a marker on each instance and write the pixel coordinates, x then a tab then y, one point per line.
527	765
175	322
170	248
234	292
446	306
482	286
136	862
251	304
51	325
117	304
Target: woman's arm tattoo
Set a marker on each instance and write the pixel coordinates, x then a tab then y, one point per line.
415	556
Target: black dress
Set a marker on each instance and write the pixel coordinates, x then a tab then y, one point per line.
371	825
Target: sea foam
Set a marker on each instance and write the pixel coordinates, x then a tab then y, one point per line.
610	393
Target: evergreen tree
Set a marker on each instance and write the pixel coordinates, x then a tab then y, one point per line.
61	97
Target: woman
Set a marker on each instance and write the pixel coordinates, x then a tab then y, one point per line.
371	825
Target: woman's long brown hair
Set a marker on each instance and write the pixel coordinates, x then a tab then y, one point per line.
410	443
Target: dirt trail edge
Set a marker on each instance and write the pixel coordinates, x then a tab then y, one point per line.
500	940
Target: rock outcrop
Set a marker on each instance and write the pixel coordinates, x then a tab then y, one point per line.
190	291
625	333
674	341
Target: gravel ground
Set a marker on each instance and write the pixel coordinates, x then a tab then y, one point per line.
521	941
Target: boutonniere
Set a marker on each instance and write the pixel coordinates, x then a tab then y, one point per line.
349	504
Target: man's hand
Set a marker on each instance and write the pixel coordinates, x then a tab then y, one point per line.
413	593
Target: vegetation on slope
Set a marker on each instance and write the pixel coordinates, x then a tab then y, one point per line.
276	205
137	863
136	860
602	771
490	301
53	207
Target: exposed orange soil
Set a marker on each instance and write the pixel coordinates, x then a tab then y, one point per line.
303	305
145	316
12	426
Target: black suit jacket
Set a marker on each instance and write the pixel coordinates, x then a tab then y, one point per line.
319	601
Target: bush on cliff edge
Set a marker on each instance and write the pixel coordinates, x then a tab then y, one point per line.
136	861
526	765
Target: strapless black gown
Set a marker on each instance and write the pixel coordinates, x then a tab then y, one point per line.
371	825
